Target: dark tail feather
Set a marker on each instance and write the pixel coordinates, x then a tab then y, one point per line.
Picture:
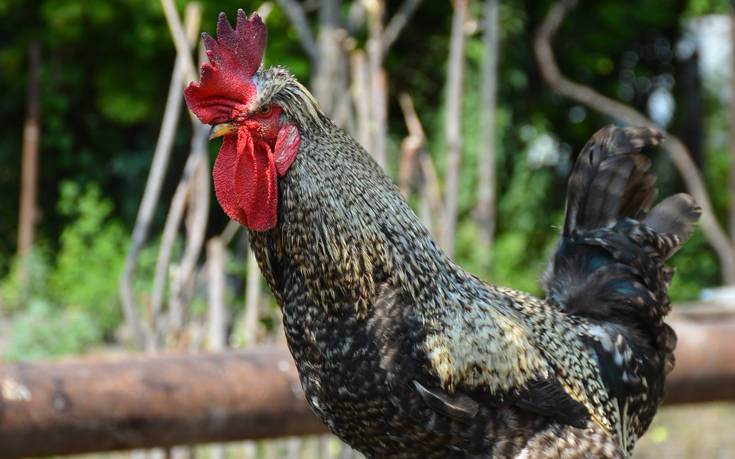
609	179
609	264
674	216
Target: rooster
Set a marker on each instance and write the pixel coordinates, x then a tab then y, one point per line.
400	351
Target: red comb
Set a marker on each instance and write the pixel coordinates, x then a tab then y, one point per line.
227	81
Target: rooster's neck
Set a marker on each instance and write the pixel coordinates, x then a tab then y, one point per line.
345	227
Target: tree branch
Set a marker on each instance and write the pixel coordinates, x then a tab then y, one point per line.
297	16
170	229
328	68
361	98
178	35
453	124
198	211
216	287
398	22
411	145
251	314
378	85
486	186
432	209
159	165
676	149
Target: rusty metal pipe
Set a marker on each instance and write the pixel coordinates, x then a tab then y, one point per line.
50	408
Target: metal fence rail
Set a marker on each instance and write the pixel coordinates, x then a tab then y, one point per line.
50	408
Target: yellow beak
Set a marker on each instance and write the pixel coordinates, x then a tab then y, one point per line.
218	130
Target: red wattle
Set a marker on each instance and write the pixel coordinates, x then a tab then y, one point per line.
287	145
245	181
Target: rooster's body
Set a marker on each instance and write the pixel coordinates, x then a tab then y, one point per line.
400	351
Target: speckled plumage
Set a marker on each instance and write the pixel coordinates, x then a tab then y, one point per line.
371	305
402	353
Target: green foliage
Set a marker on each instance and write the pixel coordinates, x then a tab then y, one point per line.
699	7
43	330
27	278
91	255
525	232
63	306
696	268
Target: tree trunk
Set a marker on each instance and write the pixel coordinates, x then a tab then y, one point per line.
455	74
486	186
31	137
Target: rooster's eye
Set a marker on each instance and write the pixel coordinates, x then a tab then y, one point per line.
264	110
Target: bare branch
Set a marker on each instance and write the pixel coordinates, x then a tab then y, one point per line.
297	16
378	106
159	165
178	35
361	98
432	207
327	85
410	147
355	16
411	144
380	116
486	186
170	229
229	232
453	125
264	10
676	149
216	292
252	301
398	22
199	211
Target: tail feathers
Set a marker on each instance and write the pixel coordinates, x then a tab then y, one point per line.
609	179
609	263
674	217
609	267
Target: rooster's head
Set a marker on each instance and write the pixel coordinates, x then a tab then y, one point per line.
260	141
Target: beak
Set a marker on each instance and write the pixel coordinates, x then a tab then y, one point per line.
218	130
